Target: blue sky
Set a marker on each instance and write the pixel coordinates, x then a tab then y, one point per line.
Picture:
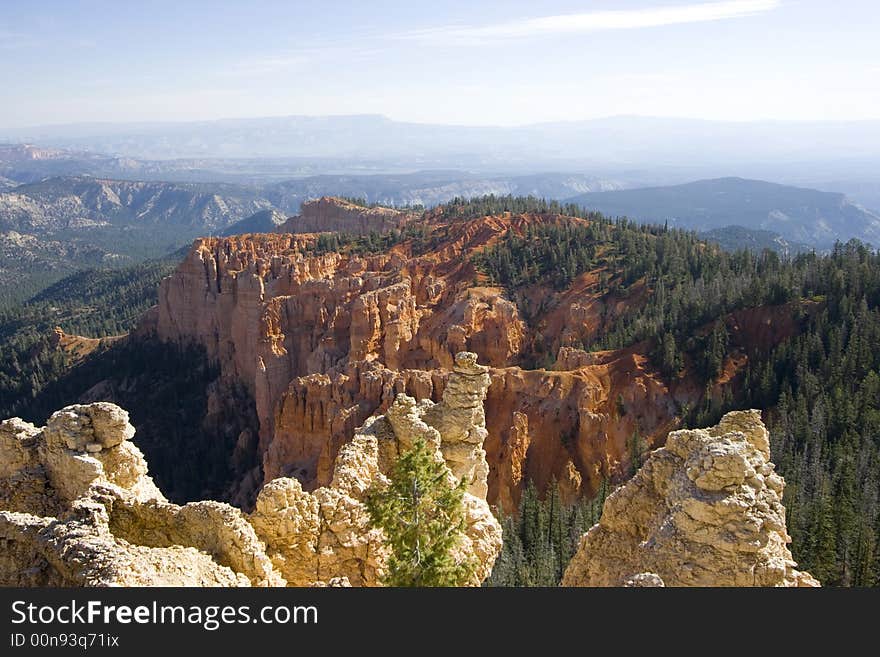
488	63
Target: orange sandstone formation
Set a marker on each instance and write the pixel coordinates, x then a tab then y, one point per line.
325	340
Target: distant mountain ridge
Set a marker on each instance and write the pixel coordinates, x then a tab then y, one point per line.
264	221
56	225
69	202
288	181
798	214
430	188
53	227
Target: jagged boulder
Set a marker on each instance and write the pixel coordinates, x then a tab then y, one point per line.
705	510
77	507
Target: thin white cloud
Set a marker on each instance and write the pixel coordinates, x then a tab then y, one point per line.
626	19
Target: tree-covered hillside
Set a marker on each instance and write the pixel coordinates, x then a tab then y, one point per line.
803	215
819	387
94	303
820	390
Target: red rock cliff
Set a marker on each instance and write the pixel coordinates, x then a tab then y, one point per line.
323	341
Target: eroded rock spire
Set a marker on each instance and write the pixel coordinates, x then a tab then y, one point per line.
705	510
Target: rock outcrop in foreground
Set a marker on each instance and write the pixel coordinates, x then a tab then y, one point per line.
79	509
705	510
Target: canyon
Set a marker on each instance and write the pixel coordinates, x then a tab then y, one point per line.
300	337
323	340
288	370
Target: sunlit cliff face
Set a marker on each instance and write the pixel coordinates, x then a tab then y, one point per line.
323	340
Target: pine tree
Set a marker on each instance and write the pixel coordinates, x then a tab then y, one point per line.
669	356
637	448
422	516
824	538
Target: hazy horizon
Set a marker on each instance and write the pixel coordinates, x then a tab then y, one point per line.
342	115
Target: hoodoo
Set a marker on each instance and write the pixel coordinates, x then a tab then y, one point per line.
705	510
322	340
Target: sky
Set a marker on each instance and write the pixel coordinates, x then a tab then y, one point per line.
509	62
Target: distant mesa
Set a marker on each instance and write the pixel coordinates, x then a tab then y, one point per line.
329	213
325	214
